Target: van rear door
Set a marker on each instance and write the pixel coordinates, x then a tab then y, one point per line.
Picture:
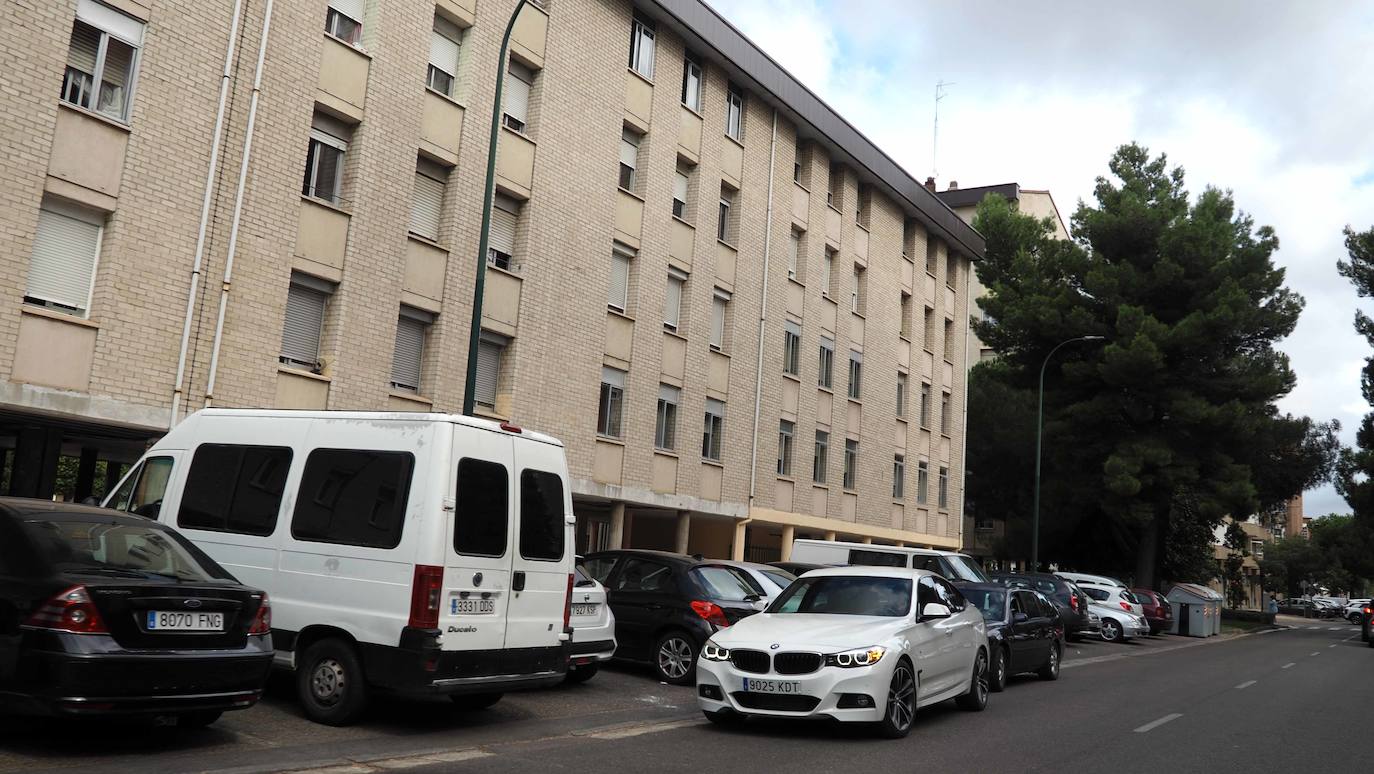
542	562
477	571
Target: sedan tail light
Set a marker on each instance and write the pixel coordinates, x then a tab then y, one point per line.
70	611
262	622
710	612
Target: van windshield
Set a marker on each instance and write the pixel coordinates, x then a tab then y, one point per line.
966	569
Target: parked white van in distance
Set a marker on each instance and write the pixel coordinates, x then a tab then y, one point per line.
952	565
422	554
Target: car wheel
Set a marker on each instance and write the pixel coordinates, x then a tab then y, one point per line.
1354	618
581	674
976	700
474	701
724	718
1050	671
675	658
330	683
199	719
1111	630
999	670
901	702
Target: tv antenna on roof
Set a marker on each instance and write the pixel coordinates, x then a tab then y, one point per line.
940	93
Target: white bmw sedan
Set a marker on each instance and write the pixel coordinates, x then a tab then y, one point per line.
863	644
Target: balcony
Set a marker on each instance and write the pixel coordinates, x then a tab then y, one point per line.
732	161
608	462
801	205
674	356
639	101
689	135
527	39
301	389
620	336
629	217
501	301
711	481
726	256
463	11
87	152
833	224
682	238
321	238
441	128
861	244
515	163
54	350
665	473
718	375
426	265
343	79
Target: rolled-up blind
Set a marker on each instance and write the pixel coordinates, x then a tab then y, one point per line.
619	291
353	9
672	307
84	47
63	262
426	206
443	45
516	93
629	148
680	187
488	371
502	238
300	339
408	354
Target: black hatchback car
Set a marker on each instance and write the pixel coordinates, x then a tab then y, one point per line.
1070	601
104	613
666	605
1024	631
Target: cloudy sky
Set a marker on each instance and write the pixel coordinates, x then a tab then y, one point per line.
1271	100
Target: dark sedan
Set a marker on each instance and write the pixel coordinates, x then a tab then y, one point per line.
1024	631
103	613
1070	601
667	605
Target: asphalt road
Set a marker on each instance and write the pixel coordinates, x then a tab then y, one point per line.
1278	701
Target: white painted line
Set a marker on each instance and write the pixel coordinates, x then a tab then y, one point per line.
1332	645
1289	664
415	761
1246	684
647	728
1336	629
1152	725
1315	653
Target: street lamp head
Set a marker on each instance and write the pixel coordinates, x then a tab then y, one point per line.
1094	338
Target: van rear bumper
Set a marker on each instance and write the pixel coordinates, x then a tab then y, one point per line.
430	671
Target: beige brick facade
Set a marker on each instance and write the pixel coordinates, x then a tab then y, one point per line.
147	177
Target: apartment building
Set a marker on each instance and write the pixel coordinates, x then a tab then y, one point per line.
698	272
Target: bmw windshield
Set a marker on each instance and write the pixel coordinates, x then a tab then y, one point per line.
846	595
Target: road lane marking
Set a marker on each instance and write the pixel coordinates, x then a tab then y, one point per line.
415	761
1336	629
1246	684
1332	645
1289	664
647	728
1152	725
1315	653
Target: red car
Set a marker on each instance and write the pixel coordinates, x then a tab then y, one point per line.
1159	613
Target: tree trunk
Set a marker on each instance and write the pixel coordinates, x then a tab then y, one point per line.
1147	553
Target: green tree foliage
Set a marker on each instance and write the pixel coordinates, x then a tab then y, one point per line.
1355	473
1153	436
1001	430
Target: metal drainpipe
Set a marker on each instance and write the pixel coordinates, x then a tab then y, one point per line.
963	442
225	78
238	203
763	314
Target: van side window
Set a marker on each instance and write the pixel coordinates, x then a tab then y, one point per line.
927	562
542	518
859	557
483	508
234	488
353	497
142	492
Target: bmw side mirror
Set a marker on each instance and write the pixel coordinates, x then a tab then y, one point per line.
933	611
1019	618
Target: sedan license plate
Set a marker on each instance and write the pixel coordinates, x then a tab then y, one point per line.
173	621
472	606
771	686
584	609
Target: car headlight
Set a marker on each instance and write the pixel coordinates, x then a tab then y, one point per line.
861	657
713	652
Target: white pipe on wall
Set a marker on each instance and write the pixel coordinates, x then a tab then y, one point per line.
763	313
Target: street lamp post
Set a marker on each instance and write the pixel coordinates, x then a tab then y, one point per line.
475	331
1039	425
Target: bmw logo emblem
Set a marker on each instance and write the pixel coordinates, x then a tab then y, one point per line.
775	646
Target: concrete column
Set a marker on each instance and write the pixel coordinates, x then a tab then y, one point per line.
85	474
113	470
737	547
830	536
684	531
867	541
35	462
788	534
617	525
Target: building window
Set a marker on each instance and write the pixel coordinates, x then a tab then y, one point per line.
734	113
898	476
931	252
944	413
629	157
672	303
305	304
951	270
713	429
691	83
905	324
925	404
786	435
929	343
851	462
791	348
943	492
491	355
949	340
642	47
901	395
680	181
515	97
825	378
101	60
832	184
856	289
407	358
922	481
829	278
505	214
618	296
861	207
612	402
66	249
324	162
344	20
427	200
725	227
445	44
794	255
856	374
665	426
820	457
720	310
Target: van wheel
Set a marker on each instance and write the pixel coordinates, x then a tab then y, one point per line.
330	683
581	674
675	658
474	701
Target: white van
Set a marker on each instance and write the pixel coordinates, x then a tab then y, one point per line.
951	564
418	553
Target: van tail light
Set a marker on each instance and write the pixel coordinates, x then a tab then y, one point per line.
70	611
262	622
567	604
425	591
1125	606
710	612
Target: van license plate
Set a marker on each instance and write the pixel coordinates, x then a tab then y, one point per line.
772	686
473	606
172	621
584	609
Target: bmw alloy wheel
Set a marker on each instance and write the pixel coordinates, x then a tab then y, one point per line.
901	698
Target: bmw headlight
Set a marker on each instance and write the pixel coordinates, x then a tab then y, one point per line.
713	652
861	657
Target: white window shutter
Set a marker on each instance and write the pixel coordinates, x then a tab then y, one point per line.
680	187
409	353
300	339
443	45
353	9
63	263
427	206
672	307
502	238
488	371
85	46
516	94
124	27
619	292
718	322
629	148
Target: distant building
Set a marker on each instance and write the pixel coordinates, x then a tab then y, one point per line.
1257	535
